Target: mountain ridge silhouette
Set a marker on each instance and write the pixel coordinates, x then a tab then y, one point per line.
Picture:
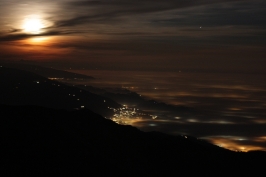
25	88
48	141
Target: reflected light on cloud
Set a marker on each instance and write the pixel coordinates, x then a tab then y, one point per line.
38	39
260	139
234	143
192	120
235	109
233	87
143	123
260	121
219	122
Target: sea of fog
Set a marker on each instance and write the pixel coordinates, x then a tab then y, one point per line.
232	105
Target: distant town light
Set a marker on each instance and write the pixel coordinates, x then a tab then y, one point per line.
154	117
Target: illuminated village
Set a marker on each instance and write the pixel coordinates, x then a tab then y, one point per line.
127	115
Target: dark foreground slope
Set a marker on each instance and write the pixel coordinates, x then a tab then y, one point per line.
25	88
47	72
40	141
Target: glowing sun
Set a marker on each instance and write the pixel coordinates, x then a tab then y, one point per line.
33	25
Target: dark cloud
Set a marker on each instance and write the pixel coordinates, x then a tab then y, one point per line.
140	18
146	5
241	13
21	36
106	10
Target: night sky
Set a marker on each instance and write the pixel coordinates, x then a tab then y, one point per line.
169	34
211	36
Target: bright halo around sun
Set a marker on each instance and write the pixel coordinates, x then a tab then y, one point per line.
33	25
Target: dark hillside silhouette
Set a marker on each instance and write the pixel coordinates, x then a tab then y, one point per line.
41	141
47	72
24	88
